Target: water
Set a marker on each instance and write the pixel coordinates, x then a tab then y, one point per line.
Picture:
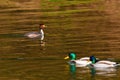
91	32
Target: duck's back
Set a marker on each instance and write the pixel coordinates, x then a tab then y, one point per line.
83	61
105	64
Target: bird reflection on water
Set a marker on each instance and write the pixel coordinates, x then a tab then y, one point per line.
107	72
103	71
42	43
72	68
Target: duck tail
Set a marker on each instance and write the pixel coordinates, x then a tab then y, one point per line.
117	64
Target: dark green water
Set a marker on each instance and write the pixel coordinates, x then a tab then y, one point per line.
87	33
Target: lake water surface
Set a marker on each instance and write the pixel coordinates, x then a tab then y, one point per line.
86	33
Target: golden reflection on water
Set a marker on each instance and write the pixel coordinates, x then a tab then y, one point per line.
91	32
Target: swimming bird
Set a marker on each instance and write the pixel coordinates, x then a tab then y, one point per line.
39	34
82	62
102	63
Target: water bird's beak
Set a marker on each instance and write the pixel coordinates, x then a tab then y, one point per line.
67	57
44	26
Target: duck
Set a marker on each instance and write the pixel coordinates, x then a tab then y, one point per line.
39	34
102	63
82	62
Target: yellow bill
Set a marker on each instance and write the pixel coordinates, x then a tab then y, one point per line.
67	57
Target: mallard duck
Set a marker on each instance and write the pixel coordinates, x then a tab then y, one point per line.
102	63
82	62
39	34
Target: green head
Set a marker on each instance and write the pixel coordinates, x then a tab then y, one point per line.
93	59
72	56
